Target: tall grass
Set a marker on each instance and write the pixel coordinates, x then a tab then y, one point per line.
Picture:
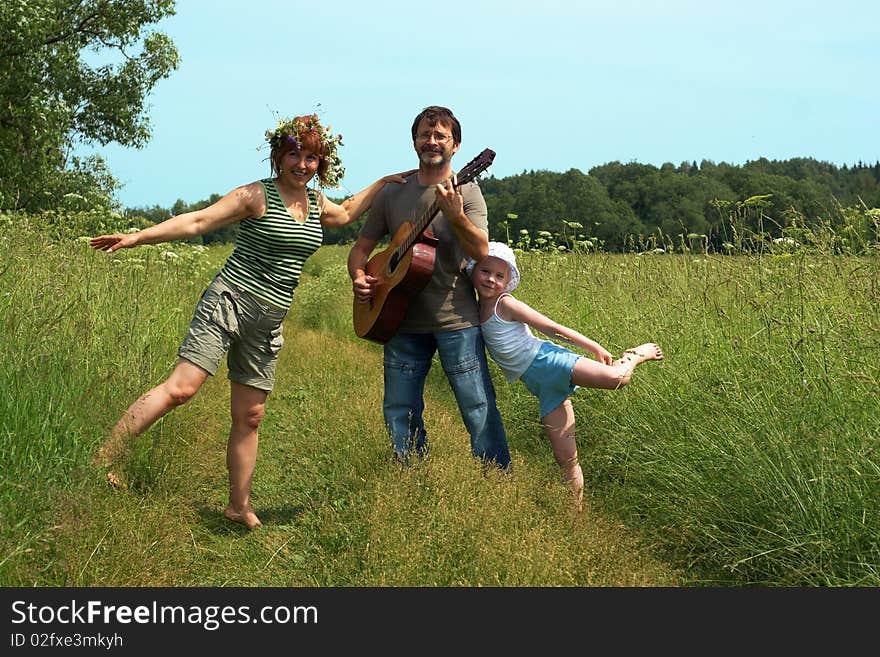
748	456
750	453
82	337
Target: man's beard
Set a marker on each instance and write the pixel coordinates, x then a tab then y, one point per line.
427	157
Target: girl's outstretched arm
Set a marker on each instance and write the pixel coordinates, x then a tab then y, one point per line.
515	310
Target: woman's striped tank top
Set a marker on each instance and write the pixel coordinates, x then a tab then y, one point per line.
270	251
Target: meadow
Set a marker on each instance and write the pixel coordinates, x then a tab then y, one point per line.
749	456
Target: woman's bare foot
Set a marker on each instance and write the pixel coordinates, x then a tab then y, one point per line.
110	451
103	459
246	517
115	481
636	355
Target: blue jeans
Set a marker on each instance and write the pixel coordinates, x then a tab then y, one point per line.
463	357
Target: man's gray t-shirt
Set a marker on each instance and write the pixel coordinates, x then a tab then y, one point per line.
448	301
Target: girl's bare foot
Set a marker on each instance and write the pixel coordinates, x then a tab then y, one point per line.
573	476
246	517
636	355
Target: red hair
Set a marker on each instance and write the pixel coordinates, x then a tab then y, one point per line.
307	136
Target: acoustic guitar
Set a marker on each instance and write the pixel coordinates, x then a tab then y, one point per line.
404	268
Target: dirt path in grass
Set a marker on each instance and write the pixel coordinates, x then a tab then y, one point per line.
336	510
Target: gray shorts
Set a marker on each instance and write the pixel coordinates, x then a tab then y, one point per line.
228	319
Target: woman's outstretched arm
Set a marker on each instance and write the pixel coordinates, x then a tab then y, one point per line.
240	203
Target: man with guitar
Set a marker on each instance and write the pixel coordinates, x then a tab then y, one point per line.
416	298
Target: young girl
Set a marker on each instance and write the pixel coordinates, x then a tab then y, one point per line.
550	372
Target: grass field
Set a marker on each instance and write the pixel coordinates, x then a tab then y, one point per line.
748	456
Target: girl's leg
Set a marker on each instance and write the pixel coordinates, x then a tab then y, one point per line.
559	427
247	405
177	389
589	373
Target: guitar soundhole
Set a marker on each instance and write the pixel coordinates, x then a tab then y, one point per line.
393	261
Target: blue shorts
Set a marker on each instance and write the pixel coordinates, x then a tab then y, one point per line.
549	376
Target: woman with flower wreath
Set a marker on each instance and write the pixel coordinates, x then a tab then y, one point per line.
241	312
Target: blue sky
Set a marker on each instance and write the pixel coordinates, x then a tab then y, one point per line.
555	84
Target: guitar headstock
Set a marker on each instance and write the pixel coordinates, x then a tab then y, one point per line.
475	167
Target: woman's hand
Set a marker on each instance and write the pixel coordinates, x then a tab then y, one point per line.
110	243
398	177
333	215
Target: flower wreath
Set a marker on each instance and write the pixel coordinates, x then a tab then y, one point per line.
290	131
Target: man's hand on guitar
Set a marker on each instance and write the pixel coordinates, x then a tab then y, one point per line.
449	199
364	287
401	270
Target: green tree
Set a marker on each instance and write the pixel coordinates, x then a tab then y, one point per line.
544	201
53	97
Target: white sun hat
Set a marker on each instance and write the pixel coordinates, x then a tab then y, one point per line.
505	253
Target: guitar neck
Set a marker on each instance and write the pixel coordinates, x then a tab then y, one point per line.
419	228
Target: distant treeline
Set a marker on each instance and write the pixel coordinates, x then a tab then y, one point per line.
614	202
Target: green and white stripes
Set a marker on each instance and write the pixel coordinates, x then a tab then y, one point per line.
270	250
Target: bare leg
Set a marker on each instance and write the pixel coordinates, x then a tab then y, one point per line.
559	427
592	374
177	389
247	405
559	423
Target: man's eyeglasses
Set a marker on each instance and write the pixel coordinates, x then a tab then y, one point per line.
439	137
